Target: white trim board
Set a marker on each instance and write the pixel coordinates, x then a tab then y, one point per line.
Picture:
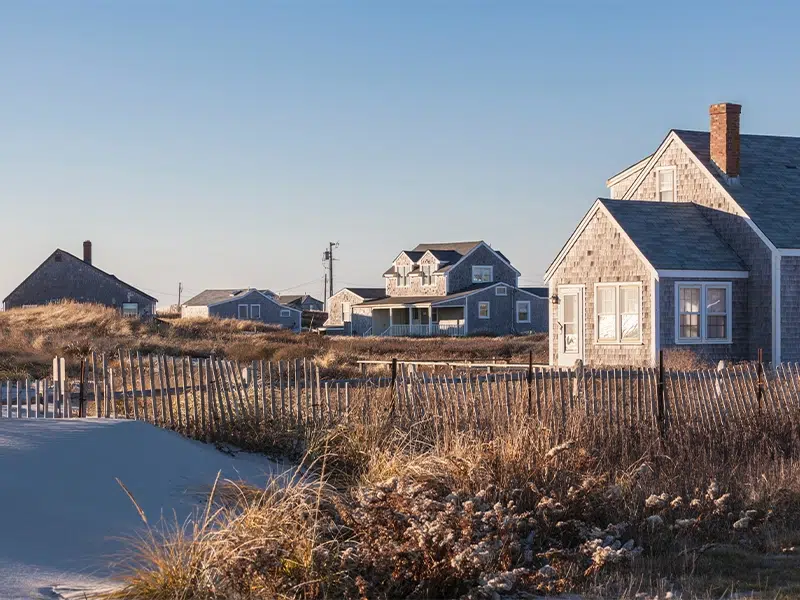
701	273
622	175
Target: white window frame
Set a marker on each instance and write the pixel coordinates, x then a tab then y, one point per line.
253	312
491	273
528	304
429	275
488	306
674	190
285	312
501	290
246	308
703	339
618	341
129	304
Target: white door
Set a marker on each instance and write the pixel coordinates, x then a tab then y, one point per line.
570	323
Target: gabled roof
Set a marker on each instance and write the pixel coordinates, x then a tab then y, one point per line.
461	248
91	266
296	298
768	187
673	235
367	293
209	297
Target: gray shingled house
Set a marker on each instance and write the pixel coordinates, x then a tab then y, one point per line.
453	289
698	248
64	276
302	302
246	304
345	313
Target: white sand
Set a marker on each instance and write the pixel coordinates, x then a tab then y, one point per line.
63	516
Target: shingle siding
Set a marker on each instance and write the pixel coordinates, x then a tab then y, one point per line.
335	306
415	287
737	350
502	313
790	308
694	184
270	310
72	279
460	276
194	312
602	255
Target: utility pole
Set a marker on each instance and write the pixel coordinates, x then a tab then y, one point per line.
328	255
325	289
180	289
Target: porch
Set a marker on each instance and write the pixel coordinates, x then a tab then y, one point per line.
418	321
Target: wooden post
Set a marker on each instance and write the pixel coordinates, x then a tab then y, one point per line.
660	392
141	386
27	399
111	393
124	383
201	366
162	391
197	426
81	399
185	395
530	382
177	393
261	411
299	413
760	374
133	386
280	386
153	390
272	408
165	375
95	394
105	387
347	401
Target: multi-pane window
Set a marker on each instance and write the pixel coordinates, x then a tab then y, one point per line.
402	275
483	310
665	184
286	313
255	311
130	309
607	313
619	312
243	311
427	278
501	290
703	313
523	311
482	274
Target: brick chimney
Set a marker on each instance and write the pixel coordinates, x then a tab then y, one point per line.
87	252
725	142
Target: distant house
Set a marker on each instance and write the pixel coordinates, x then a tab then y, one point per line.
344	311
698	248
246	304
64	276
303	302
453	289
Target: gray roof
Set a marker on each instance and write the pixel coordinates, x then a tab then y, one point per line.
297	298
769	182
458	247
209	297
367	293
673	235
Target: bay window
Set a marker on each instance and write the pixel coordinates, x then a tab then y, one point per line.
703	313
618	313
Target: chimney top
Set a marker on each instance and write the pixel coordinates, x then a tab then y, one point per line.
87	252
725	145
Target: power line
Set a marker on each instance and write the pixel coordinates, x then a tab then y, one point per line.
294	287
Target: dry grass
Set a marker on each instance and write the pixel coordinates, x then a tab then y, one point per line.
399	510
30	337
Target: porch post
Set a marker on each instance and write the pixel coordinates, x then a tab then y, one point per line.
430	321
410	321
390	321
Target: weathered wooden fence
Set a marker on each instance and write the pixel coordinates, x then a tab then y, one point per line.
201	396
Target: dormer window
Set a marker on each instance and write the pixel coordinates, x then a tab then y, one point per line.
402	275
427	277
665	184
482	274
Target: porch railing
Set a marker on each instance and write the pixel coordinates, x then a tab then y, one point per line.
416	330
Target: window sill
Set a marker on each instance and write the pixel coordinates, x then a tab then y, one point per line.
523	322
609	343
702	342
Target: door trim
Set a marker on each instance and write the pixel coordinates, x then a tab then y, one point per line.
581	317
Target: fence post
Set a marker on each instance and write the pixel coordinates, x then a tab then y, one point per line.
530	380
760	380
81	407
662	424
392	388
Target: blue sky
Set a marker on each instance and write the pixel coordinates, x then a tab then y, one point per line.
223	144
